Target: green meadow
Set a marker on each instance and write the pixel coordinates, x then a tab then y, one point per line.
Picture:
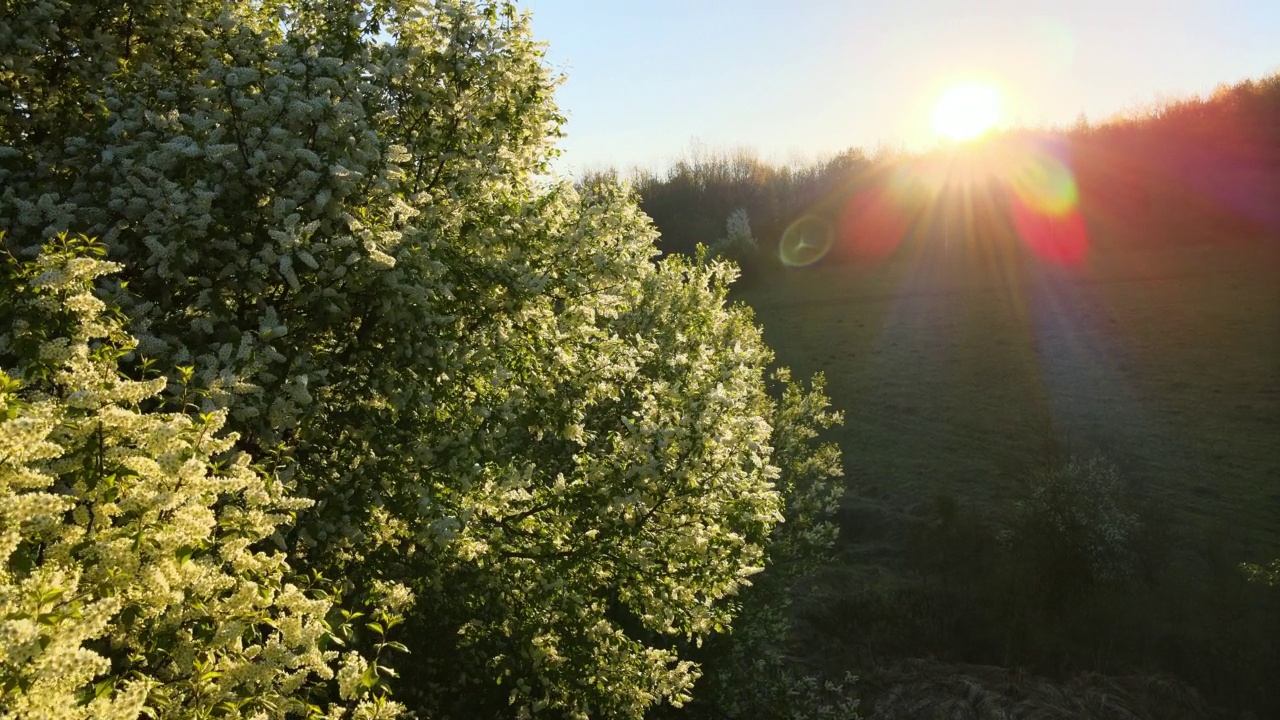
962	368
967	364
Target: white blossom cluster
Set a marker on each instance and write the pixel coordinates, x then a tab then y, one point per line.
495	398
750	672
132	575
738	243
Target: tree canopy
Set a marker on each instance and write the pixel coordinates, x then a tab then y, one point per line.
461	400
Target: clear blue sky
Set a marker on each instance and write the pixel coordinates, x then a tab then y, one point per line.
804	78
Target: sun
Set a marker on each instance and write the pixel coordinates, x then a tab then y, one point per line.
966	111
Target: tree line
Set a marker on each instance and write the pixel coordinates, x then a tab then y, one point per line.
1210	160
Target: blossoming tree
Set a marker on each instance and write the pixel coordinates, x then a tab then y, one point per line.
329	215
129	582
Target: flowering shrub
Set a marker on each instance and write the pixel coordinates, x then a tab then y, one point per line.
134	577
329	214
1074	525
1267	574
738	243
752	672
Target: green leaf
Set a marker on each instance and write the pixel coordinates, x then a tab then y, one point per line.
105	688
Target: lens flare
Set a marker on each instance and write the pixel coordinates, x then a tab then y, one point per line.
1063	239
1043	182
805	242
871	224
1046	206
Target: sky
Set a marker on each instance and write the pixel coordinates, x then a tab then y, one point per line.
796	80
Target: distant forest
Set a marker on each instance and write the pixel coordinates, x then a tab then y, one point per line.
1214	159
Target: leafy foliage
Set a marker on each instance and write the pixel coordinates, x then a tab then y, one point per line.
738	243
134	578
328	218
1074	522
754	671
1267	574
687	201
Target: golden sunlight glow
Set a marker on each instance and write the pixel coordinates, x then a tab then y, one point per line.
966	111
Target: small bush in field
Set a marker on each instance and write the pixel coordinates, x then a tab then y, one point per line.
738	243
1072	526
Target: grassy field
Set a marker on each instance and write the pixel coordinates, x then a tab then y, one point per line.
961	369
